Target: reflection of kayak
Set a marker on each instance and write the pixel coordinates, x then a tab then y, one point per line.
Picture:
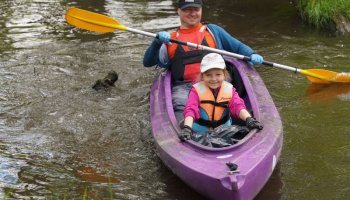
205	169
321	92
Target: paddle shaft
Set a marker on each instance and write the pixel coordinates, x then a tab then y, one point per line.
222	52
101	23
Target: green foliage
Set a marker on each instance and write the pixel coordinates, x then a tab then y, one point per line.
110	188
7	193
85	196
321	12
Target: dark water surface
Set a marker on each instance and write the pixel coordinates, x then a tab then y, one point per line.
59	138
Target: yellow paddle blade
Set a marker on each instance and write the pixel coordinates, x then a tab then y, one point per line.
323	76
92	21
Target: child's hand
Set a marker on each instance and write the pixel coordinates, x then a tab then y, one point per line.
185	133
252	123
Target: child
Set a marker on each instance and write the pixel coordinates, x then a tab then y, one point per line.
212	100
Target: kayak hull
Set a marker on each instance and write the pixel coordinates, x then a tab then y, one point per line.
204	168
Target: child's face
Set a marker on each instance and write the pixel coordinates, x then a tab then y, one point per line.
213	77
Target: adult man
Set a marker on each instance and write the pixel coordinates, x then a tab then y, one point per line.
183	61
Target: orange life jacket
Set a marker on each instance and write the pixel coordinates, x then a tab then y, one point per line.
186	61
213	111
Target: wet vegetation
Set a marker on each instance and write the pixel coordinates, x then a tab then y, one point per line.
326	14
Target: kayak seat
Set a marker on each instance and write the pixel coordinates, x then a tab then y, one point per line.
236	80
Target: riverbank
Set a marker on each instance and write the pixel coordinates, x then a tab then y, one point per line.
332	15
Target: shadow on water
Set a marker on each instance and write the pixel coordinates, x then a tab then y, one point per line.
176	188
274	186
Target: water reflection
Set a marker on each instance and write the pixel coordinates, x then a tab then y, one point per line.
8	171
5	14
325	93
91	174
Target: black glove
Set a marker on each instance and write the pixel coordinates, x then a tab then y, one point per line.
252	123
185	133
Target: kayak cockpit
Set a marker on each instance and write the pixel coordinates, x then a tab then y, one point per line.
223	137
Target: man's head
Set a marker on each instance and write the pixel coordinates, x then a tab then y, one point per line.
190	3
190	12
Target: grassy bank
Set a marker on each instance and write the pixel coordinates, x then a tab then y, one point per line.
322	13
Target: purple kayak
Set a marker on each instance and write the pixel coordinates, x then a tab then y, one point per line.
204	168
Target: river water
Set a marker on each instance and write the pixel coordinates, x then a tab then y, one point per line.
60	139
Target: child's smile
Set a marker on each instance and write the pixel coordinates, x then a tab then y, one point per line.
213	77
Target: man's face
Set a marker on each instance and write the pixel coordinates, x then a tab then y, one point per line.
190	16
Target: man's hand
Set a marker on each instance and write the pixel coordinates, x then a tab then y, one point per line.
164	36
252	123
256	59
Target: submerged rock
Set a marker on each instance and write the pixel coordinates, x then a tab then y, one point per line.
106	82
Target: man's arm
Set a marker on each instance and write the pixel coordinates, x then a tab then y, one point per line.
157	53
151	56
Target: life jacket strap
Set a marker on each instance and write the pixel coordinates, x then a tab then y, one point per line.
213	123
219	104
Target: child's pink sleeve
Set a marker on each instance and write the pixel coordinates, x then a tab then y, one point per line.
192	105
236	104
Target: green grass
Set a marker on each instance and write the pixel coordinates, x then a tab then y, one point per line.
54	197
321	13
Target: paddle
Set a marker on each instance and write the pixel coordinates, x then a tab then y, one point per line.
101	23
